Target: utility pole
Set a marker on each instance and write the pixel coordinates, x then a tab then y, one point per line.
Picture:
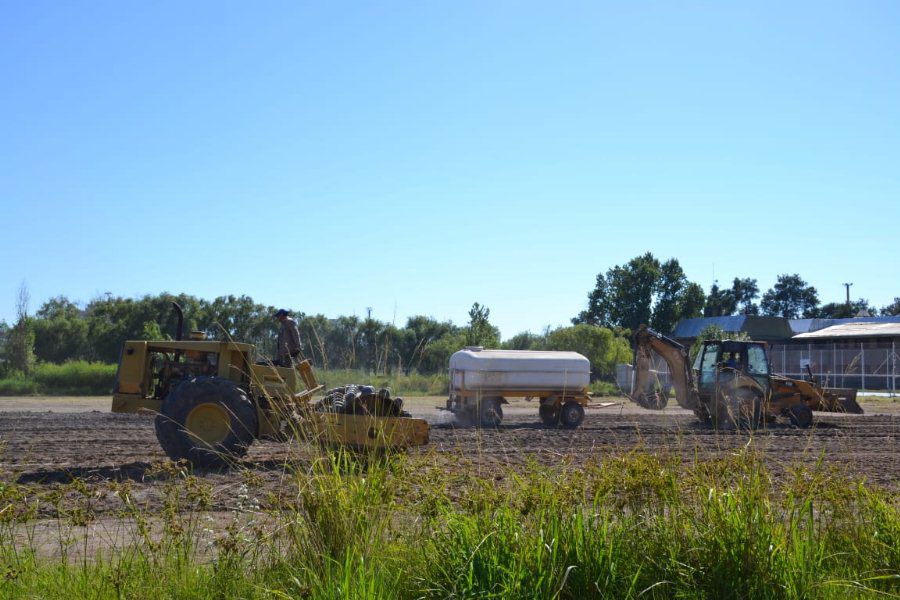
847	285
369	311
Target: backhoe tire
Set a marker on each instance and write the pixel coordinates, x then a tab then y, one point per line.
800	415
571	415
207	421
739	409
491	412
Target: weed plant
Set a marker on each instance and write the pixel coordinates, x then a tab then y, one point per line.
415	526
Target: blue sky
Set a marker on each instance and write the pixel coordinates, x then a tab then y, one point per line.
418	157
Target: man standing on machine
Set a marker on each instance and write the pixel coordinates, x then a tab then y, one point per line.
288	347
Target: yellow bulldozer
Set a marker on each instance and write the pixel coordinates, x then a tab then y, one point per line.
730	384
212	400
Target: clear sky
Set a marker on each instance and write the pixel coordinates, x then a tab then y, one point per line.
418	157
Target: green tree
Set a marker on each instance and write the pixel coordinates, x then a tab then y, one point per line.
791	297
415	339
738	299
891	309
598	344
642	291
676	297
60	332
719	302
525	341
599	309
480	332
841	310
744	292
19	349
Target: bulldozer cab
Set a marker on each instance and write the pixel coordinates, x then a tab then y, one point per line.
720	359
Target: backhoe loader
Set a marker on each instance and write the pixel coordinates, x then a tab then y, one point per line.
212	401
730	384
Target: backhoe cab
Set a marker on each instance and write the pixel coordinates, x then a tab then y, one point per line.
730	384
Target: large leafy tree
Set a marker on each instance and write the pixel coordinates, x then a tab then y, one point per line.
600	345
791	297
676	297
738	299
719	303
642	291
415	340
60	331
745	291
480	332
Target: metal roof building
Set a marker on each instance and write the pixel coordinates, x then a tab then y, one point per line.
766	329
861	352
855	329
802	326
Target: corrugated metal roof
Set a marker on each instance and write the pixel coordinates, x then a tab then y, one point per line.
855	329
691	328
758	328
801	325
810	325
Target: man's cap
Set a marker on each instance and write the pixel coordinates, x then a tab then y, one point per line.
282	312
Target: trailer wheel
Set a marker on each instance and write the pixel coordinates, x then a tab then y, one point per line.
800	415
549	414
491	412
571	415
207	421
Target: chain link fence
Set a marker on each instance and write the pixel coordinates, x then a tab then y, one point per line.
868	365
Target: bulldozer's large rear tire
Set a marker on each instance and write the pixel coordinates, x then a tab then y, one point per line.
571	414
207	421
800	415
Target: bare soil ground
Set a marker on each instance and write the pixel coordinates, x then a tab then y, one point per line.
72	458
57	445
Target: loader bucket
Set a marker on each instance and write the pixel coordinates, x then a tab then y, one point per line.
840	400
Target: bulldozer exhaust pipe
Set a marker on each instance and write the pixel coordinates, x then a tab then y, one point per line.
179	333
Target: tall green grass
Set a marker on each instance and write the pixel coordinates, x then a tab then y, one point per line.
74	378
81	378
634	526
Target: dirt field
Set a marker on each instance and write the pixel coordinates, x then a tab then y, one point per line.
79	438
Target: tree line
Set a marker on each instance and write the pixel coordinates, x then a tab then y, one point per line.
62	330
646	290
643	290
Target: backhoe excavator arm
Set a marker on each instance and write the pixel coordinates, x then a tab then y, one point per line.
647	341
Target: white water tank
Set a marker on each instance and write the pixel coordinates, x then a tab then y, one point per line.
475	369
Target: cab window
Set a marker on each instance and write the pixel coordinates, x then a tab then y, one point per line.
708	364
756	361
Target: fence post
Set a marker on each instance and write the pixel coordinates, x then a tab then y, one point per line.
893	367
862	359
833	364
